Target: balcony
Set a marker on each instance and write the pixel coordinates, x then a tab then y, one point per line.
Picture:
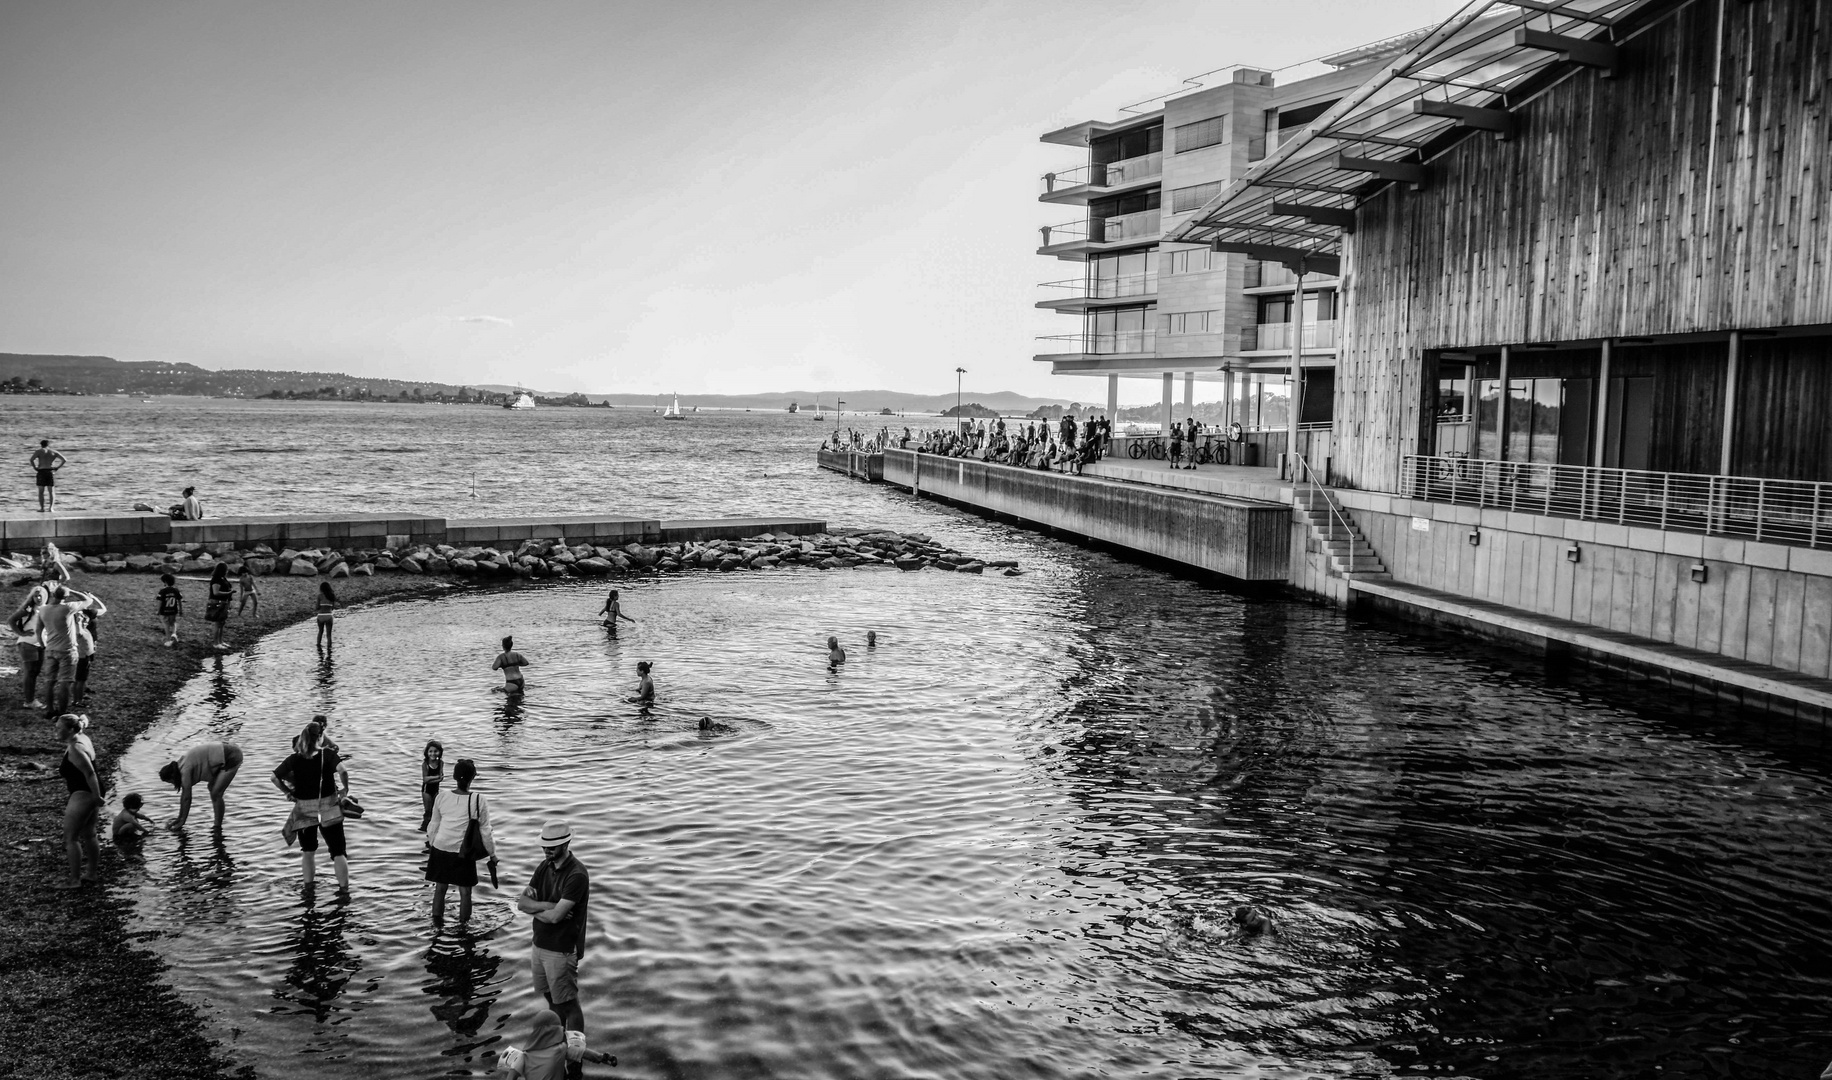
1276	337
1120	343
1083	234
1085	182
1080	294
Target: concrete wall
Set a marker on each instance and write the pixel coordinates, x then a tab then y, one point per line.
1765	603
1237	538
126	532
852	463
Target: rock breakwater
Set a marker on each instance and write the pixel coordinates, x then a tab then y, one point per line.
833	550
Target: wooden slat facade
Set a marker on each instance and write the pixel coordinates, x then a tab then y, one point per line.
1619	209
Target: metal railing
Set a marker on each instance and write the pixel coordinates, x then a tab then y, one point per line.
1110	174
1129	226
1777	511
1122	341
1301	475
1317	335
1106	288
1068	232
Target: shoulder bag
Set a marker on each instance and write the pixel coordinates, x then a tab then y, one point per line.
471	849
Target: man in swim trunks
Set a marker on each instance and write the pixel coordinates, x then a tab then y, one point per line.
46	462
835	655
212	764
510	663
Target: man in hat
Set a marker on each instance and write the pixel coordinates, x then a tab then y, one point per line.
556	896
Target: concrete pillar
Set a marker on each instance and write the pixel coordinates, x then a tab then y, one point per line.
1730	401
1601	426
1227	398
1189	392
1501	411
1113	399
1164	413
1296	405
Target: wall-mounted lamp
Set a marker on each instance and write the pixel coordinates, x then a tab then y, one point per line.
1475	538
1573	554
1700	572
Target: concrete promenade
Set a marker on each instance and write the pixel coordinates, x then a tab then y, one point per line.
1746	621
130	534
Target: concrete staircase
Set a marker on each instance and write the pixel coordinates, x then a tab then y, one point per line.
1349	552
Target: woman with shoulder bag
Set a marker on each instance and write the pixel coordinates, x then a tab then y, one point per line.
313	777
457	836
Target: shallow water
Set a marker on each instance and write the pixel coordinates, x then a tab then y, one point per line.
1002	844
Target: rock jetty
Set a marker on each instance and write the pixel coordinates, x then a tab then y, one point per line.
833	550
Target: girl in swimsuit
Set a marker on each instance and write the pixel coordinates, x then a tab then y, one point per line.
327	604
78	771
432	773
645	686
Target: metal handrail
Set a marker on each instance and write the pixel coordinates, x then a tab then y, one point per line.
1303	469
1114	288
1758	508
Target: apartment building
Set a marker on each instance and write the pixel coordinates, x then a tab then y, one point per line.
1144	309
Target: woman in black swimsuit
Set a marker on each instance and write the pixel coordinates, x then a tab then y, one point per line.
78	771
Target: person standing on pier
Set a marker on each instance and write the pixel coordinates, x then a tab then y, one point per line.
557	897
45	463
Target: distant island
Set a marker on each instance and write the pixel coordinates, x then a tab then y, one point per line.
25	373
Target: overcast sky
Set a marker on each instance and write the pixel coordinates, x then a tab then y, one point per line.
612	197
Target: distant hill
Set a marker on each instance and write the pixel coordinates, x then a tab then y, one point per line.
105	375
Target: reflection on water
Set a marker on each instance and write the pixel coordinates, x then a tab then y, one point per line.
1006	841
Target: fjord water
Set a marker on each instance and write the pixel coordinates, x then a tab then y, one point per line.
1001	844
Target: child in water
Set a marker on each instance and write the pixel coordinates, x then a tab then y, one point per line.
550	1050
835	655
1251	922
130	825
432	773
244	584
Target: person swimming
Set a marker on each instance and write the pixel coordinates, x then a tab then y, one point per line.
871	639
835	655
645	686
612	611
1251	922
510	663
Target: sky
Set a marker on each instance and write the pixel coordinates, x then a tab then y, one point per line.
608	197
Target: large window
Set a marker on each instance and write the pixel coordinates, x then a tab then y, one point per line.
1318	306
1126	273
1190	322
1120	330
1192	198
1201	133
1194	261
1127	144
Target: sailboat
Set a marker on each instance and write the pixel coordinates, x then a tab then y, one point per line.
820	414
673	412
524	400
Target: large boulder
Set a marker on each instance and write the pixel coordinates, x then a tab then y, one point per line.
438	564
140	563
972	568
364	570
413	565
461	565
341	569
730	562
93	565
259	566
593	566
908	562
301	568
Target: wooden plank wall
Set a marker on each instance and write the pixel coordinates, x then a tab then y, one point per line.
1784	410
1617	210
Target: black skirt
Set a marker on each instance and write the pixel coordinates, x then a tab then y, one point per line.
447	868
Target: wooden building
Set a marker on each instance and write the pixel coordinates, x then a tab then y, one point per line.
1620	211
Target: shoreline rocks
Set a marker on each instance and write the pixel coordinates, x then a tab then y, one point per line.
836	549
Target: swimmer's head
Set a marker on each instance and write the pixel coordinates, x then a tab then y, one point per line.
833	643
705	723
508	643
643	666
169	772
464	772
132	801
1253	920
871	637
613	594
434	753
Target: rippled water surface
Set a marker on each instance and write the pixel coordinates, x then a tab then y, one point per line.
1004	842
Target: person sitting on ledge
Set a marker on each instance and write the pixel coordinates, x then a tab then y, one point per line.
191	509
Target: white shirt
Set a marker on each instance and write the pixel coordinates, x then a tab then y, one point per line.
452	813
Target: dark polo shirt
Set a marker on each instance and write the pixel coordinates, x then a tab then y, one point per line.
550	885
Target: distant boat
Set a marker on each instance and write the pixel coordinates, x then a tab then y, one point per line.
793	407
524	401
673	411
886	411
819	413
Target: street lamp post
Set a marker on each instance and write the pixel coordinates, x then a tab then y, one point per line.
958	418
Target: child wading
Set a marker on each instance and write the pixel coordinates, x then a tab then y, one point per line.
327	605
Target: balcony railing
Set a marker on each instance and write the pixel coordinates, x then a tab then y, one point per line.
1104	288
1111	174
1122	341
1777	511
1317	335
1068	232
1130	226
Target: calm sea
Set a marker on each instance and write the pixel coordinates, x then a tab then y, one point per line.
1003	843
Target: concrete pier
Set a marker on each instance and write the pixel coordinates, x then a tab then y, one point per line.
853	463
1242	539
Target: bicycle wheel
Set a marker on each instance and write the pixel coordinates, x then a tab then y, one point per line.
1135	449
1202	455
1221	454
1157	451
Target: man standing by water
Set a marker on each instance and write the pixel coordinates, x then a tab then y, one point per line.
556	896
46	462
